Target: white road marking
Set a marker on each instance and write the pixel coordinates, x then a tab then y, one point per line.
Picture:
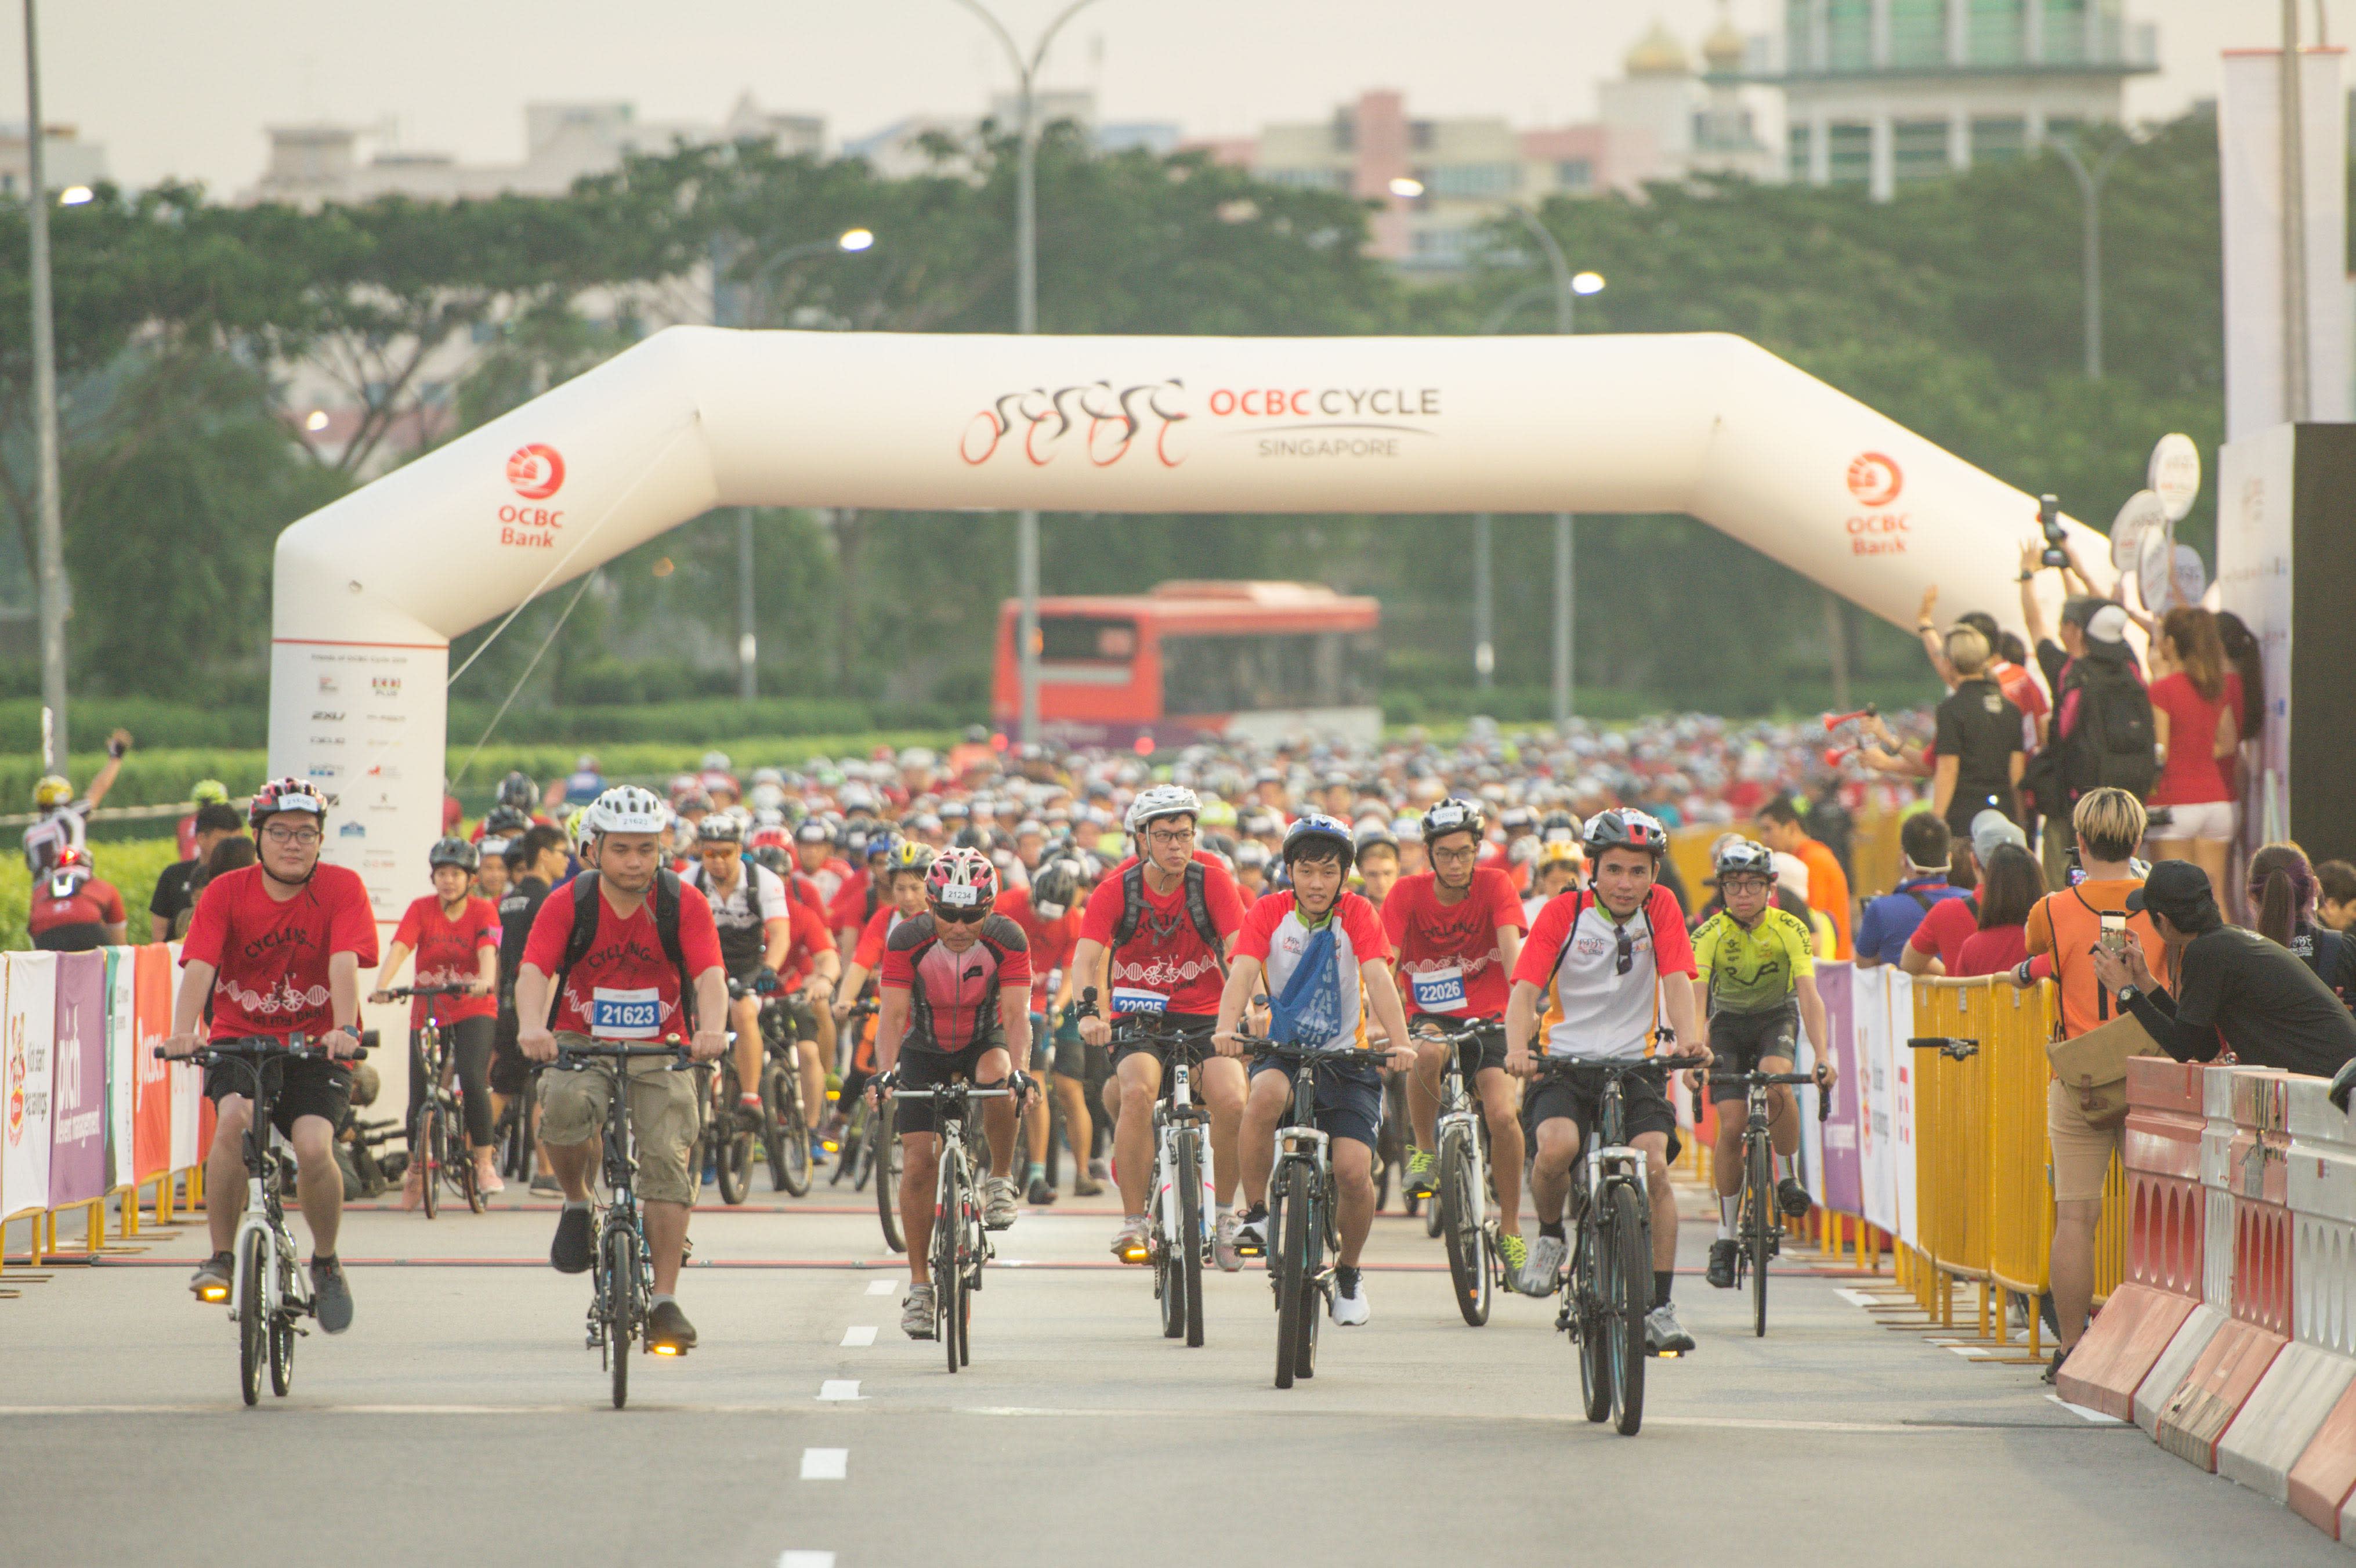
805	1559
2086	1412
858	1335
1971	1350
839	1389
826	1465
1859	1298
882	1286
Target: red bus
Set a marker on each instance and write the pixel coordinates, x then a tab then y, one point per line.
1190	661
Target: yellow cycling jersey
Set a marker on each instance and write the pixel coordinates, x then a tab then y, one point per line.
1755	970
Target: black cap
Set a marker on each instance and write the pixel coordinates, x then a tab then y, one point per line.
2178	889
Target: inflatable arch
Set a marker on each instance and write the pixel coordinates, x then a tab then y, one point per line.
371	590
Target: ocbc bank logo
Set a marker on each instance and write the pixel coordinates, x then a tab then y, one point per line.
1109	423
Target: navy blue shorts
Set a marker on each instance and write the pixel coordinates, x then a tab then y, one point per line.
1349	1096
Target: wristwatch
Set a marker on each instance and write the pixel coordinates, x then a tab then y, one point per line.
2127	995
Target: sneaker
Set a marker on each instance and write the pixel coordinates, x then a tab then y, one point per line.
1722	1255
1041	1194
1351	1310
1422	1175
412	1185
331	1294
1099	1171
2053	1368
1134	1243
1251	1237
1225	1250
1545	1267
817	1148
487	1179
568	1253
997	1203
547	1186
1515	1253
210	1283
916	1312
1664	1335
1793	1198
667	1326
1087	1187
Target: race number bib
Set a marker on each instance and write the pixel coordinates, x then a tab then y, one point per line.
1437	990
624	1015
1132	999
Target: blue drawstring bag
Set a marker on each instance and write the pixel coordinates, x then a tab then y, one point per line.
1309	1012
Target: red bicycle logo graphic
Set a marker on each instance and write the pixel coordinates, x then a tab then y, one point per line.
1110	422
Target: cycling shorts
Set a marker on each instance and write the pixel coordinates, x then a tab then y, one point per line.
1740	1041
1349	1096
922	1068
512	1070
297	1088
1477	1055
1644	1108
664	1119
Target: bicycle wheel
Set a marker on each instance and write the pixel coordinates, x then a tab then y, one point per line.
773	1146
463	1173
1168	1283
731	1140
425	1151
884	1138
792	1137
949	1279
253	1319
1188	1244
1583	1304
1467	1238
622	1304
1759	1229
1313	1217
1435	1224
282	1354
1627	1303
1285	1216
857	1147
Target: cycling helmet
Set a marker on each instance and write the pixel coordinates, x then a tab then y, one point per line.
1317	829
1558	823
961	880
693	800
714	762
814	830
1373	834
1055	889
1743	857
1153	803
720	827
1556	852
1626	829
456	852
54	789
766	836
912	854
1251	852
285	795
577	831
626	808
1455	815
517	790
506	821
210	792
857	797
881	842
72	867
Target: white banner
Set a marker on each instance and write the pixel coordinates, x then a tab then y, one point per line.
1901	1027
2255	484
1812	1134
28	1022
1885	1019
187	1094
122	1044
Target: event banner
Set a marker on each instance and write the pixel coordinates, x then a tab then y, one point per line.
1882	1017
27	1017
191	1114
122	1068
1844	1187
1898	1021
151	1103
78	1099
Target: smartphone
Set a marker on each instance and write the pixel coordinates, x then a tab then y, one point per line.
2049	521
2114	931
2077	871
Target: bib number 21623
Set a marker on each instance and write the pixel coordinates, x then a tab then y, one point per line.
624	1015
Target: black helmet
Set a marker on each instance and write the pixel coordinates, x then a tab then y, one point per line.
504	821
456	852
1455	815
517	790
1055	889
721	827
1743	857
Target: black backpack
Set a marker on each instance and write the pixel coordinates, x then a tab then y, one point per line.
2110	745
1199	910
664	900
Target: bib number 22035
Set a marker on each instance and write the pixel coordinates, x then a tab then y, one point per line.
624	1015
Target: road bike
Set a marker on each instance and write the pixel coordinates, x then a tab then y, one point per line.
961	1245
1464	1207
1761	1232
854	1152
1177	1242
1301	1218
1608	1289
622	1285
437	1124
269	1293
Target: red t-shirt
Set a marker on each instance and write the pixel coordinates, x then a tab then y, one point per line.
76	923
1165	967
869	953
624	989
2193	775
1450	958
446	955
1050	941
850	905
811	937
1991	952
271	956
1944	930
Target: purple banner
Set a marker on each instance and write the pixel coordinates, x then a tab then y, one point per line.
77	1105
1844	1178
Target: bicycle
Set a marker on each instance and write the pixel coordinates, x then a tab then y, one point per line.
1462	1204
1302	1225
961	1245
269	1292
1608	1289
438	1125
517	1131
622	1287
1761	1229
1177	1242
784	1137
855	1154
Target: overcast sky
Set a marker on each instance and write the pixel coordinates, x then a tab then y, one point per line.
172	88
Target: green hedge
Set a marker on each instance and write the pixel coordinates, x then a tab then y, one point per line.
133	867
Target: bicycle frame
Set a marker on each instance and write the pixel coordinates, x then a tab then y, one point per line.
620	1166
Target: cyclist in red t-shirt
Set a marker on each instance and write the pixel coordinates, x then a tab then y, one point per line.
455	937
72	909
276	948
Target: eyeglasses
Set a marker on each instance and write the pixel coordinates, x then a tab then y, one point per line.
1169	839
1741	884
1458	857
960	916
298	838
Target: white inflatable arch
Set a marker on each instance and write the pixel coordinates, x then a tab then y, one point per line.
371	590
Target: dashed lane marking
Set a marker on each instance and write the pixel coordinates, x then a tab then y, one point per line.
859	1336
826	1465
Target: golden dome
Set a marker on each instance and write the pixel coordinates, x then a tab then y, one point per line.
1725	49
1658	53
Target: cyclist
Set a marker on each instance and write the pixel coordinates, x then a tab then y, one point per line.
1326	964
1612	963
1755	962
756	925
276	948
814	845
628	953
905	881
955	1006
58	818
582	785
1155	940
72	909
1457	929
536	861
1556	872
1377	861
455	937
1049	911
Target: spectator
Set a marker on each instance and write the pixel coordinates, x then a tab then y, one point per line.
2100	732
215	821
2064	932
1937	944
71	910
2336	882
2197	732
1978	738
202	793
2010	888
2283	890
58	818
1826	886
1792	881
1889	921
2007	665
2233	988
231	854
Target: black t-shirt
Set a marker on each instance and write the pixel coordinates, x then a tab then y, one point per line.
518	907
2266	1002
2326	953
1980	727
172	895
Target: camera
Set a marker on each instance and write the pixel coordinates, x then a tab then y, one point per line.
2049	519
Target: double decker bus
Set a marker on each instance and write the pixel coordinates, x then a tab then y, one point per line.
1193	660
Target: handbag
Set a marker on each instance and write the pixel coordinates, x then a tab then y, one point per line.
2093	1067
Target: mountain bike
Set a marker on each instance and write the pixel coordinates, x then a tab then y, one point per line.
785	1139
1608	1289
270	1292
1301	1218
437	1126
961	1245
517	1131
1177	1240
1462	1203
1761	1229
623	1283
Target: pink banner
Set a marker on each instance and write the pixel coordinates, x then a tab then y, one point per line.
1843	1180
78	1124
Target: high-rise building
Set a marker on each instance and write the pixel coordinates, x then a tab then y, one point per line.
66	158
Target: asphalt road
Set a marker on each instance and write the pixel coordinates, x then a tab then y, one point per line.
462	1416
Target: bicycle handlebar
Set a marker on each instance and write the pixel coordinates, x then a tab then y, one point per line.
404	993
1946	1045
1465	1036
1615	1067
261	1047
1286	1052
1163	1037
1016	1083
1823	1099
578	1058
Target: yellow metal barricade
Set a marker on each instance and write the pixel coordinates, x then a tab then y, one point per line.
2022	1209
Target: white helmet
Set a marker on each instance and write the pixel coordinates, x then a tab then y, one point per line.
626	808
1161	801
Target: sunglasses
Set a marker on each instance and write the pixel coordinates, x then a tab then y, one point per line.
960	916
1623	957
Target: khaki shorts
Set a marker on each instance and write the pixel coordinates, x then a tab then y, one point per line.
2082	1154
664	1121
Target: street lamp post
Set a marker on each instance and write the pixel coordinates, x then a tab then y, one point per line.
51	542
2090	192
1027	323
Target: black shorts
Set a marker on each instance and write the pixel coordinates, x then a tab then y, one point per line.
1183	1023
1486	1051
1349	1096
512	1070
922	1068
297	1088
1738	1041
1644	1108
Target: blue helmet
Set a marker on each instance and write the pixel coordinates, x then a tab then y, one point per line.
1316	829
